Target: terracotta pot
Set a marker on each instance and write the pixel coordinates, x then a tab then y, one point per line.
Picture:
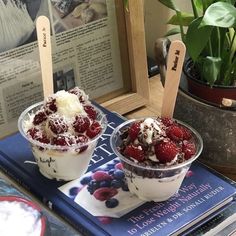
213	94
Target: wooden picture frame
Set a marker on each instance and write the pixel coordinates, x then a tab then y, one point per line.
134	60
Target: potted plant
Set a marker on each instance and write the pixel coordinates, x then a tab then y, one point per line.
209	76
210	40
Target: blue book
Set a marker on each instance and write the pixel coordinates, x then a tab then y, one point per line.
223	224
202	195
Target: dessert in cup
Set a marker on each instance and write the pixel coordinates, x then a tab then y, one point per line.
63	132
156	154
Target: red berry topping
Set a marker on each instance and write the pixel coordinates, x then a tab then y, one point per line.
134	152
36	134
175	133
57	125
33	132
101	175
80	94
94	129
50	106
167	121
81	124
186	133
104	193
43	139
188	149
166	151
134	131
81	139
39	118
62	140
92	114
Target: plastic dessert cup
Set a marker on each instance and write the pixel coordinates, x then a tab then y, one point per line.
61	162
157	183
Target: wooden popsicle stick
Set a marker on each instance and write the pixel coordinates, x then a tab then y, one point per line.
45	54
175	61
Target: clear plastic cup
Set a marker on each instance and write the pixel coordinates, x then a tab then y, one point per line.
60	162
153	183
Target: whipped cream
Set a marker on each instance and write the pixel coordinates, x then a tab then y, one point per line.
68	104
148	126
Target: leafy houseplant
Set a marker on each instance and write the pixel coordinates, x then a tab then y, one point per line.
210	39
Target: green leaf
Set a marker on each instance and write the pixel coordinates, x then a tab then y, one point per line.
220	14
172	32
170	4
211	69
186	19
197	38
199	4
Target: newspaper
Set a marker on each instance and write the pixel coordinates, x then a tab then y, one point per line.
85	52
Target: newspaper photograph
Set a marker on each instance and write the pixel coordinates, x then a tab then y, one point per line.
85	52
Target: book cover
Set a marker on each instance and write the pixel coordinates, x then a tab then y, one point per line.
223	224
201	195
54	226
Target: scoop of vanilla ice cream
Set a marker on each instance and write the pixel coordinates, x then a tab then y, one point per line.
68	104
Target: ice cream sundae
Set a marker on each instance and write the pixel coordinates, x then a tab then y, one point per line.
156	154
63	132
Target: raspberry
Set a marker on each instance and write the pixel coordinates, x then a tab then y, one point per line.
94	129
57	125
92	114
36	134
166	151
167	121
134	152
50	106
101	175
175	133
62	140
186	133
104	193
80	94
188	149
82	139
134	131
39	117
33	132
81	124
43	139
